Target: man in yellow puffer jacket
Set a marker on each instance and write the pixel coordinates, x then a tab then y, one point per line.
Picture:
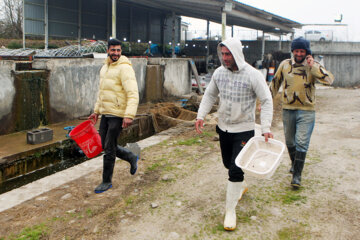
117	102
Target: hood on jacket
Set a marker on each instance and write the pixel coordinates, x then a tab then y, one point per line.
236	48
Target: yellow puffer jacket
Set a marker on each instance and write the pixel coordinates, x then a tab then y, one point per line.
118	92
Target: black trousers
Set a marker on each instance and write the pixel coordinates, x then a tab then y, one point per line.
110	128
231	145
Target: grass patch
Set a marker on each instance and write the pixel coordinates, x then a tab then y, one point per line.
208	134
129	200
154	166
191	141
32	233
245	217
89	212
292	233
291	196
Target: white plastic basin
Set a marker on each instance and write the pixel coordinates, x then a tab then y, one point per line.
259	158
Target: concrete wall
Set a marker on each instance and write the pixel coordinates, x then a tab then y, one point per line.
345	68
177	73
73	85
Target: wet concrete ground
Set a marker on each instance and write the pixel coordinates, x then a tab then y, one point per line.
16	143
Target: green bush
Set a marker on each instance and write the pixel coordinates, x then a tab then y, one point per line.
14	45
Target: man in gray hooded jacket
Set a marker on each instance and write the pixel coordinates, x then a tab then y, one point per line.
238	85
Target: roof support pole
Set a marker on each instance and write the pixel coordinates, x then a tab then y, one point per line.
263	45
280	42
23	23
131	14
232	31
173	36
207	46
223	25
46	24
148	26
79	23
162	33
113	34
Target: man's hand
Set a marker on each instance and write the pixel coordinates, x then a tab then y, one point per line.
199	124
93	117
310	60
267	136
126	122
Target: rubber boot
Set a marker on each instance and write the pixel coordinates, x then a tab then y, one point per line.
108	169
298	167
131	156
292	151
234	192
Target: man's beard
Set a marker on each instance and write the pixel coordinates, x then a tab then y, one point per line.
114	60
301	60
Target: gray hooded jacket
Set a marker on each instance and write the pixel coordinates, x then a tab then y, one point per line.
237	91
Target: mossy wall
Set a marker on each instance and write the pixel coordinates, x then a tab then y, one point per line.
31	105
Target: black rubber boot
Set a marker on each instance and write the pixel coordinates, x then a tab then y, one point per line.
108	169
103	187
298	167
292	151
131	156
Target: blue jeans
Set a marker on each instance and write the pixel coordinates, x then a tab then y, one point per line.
298	127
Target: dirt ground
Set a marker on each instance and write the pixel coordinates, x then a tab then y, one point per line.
179	190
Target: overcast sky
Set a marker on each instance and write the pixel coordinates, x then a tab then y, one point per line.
315	12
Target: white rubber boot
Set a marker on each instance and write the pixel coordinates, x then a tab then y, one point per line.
234	192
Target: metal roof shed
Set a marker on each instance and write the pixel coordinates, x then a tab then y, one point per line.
78	18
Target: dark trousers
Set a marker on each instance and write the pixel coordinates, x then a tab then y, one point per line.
110	128
231	145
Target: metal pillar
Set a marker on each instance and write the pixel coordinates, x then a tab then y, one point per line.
113	34
148	30
162	33
232	31
23	23
280	42
263	46
79	23
173	36
46	24
223	26
130	26
207	46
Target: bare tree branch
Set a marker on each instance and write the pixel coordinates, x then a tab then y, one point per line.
11	24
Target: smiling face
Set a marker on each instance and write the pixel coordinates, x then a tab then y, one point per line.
228	58
114	52
299	55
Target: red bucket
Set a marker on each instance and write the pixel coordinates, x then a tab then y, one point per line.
88	139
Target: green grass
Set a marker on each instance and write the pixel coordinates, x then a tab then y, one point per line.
297	232
32	233
89	212
291	197
154	166
129	200
190	141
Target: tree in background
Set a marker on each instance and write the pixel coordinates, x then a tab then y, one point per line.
11	21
